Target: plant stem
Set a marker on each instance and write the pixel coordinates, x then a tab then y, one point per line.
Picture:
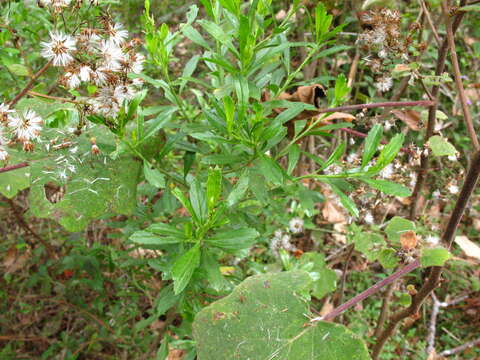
370	291
432	114
436	271
458	78
34	93
14	167
422	103
30	84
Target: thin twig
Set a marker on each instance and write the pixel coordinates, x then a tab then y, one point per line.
370	291
436	271
30	84
432	328
430	22
458	79
21	221
432	114
14	167
385	309
34	93
344	277
422	103
460	348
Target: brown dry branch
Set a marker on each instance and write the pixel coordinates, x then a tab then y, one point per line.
432	113
434	278
30	84
458	78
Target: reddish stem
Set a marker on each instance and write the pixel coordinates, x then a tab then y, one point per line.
13	167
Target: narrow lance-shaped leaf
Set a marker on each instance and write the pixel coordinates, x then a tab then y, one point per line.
184	268
214	187
371	143
388	187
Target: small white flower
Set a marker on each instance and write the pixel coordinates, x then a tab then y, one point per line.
332	170
72	80
112	55
432	240
352	157
118	34
384	84
453	189
368	218
383	54
85	73
387	172
296	225
452	157
3	154
436	194
27	126
59	48
133	63
4	112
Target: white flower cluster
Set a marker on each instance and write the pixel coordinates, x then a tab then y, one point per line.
99	57
282	240
24	127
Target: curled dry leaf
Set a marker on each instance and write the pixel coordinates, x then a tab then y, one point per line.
469	247
408	240
409	117
339	116
333	213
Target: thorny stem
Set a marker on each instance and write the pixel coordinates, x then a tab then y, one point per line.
30	84
432	113
434	278
458	79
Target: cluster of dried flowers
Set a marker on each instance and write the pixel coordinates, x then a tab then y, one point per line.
383	41
99	57
95	58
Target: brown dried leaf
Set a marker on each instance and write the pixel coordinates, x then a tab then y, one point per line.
333	213
339	116
14	261
176	354
469	247
409	117
327	307
408	240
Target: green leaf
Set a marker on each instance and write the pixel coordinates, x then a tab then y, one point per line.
266	317
388	258
153	176
434	256
214	187
185	202
324	279
341	90
147	238
233	240
98	187
388	187
397	226
470	8
348	203
11	182
441	147
293	157
212	269
389	152
271	170
369	244
18	69
371	143
239	190
198	200
166	230
184	268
